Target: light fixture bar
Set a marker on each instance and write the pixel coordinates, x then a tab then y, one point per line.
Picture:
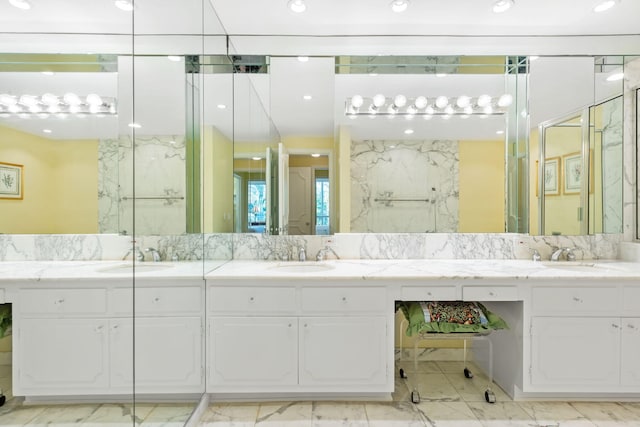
399	105
49	104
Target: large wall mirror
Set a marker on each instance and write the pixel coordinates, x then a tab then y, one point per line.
313	145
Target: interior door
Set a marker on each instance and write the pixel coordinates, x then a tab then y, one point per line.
300	203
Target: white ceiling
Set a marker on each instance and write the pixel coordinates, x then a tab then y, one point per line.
463	22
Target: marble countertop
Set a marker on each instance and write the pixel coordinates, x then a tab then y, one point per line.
73	270
423	269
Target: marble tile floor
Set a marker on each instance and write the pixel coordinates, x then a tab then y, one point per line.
448	399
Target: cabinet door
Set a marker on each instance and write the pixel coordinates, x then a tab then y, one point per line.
250	352
62	356
630	371
582	351
343	350
167	353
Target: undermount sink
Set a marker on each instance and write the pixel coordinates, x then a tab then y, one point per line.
301	267
139	268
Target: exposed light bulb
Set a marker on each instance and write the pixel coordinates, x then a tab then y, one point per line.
502	6
49	99
484	100
420	102
429	110
505	100
442	101
411	109
392	109
28	100
463	101
488	110
379	100
449	110
72	99
20	4
125	5
605	5
297	6
400	101
8	100
357	101
94	99
468	110
399	6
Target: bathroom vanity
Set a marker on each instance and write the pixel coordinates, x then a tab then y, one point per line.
263	329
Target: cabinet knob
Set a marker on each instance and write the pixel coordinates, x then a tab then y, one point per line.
290	325
630	326
251	299
614	325
576	299
114	327
491	294
344	299
60	301
429	293
99	328
156	299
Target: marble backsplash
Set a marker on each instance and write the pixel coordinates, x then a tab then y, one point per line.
193	247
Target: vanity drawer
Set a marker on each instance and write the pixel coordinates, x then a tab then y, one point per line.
429	293
571	300
63	301
343	300
489	293
252	300
157	300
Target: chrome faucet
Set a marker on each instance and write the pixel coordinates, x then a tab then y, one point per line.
155	255
302	255
139	256
322	253
570	256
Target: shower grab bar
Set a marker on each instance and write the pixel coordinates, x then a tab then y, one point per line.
153	198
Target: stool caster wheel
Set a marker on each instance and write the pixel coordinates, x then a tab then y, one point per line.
402	373
489	396
468	373
415	396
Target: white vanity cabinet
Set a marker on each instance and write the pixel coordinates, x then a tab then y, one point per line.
273	338
581	343
79	338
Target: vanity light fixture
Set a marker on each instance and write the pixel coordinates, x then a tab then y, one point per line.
399	6
29	106
604	5
20	4
126	5
502	5
463	105
297	6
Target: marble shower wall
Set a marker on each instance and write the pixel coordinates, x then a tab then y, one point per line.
160	175
631	134
387	170
612	165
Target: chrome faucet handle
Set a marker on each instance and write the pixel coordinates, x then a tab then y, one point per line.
302	254
535	255
320	255
155	255
570	255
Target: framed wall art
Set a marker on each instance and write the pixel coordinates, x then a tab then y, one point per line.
11	181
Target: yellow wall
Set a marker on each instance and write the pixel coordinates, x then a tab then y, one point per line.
218	182
60	185
481	179
302	160
534	199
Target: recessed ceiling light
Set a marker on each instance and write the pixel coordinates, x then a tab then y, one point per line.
46	130
441	74
615	77
20	4
500	132
222	106
315	155
533	57
48	73
256	158
125	5
135	125
399	6
604	5
297	6
307	97
408	131
174	58
502	6
303	58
